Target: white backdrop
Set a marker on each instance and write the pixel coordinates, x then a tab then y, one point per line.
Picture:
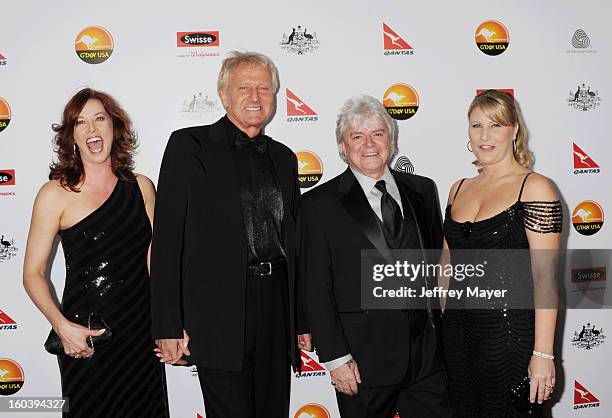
156	82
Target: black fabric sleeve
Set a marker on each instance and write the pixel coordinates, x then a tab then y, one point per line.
167	245
315	271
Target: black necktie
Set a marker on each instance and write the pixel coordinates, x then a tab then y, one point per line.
391	212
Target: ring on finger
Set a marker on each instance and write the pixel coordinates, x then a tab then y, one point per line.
77	356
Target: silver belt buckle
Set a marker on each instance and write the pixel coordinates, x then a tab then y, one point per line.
269	264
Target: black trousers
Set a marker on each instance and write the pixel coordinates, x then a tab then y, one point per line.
422	393
426	398
261	388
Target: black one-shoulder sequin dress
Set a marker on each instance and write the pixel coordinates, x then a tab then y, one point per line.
487	351
106	273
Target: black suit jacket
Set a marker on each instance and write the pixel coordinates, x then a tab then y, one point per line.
199	249
334	224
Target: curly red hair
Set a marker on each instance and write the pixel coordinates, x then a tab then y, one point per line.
68	168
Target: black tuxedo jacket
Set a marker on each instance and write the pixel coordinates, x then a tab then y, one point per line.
335	223
199	249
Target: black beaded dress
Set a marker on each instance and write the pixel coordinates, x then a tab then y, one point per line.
487	351
106	274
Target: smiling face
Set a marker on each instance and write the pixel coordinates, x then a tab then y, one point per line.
248	97
491	142
366	146
93	133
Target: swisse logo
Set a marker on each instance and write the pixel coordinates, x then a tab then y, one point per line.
5	114
583	164
7	177
6	322
312	410
583	398
588	217
310	367
310	168
11	377
492	37
197	39
591	274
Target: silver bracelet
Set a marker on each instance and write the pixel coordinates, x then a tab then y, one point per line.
543	355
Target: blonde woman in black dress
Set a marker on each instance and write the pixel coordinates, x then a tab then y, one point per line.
506	206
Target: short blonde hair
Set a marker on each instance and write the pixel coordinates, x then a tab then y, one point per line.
501	107
235	58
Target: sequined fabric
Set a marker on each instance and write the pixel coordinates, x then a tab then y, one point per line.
487	351
106	273
261	198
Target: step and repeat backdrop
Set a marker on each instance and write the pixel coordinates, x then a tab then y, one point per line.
425	61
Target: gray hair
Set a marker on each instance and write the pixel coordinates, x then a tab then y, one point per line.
235	58
364	107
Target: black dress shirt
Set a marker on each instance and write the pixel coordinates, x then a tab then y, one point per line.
260	196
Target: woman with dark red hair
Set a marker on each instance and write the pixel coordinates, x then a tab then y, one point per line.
103	213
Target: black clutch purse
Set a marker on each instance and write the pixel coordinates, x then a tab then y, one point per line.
519	398
93	321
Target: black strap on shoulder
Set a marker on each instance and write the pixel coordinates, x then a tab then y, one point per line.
523	186
457	191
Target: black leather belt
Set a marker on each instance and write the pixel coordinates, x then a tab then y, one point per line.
265	268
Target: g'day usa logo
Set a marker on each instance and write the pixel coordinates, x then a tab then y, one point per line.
583	98
492	37
309	367
310	168
11	377
401	101
588	217
300	41
6	322
5	114
199	44
583	163
588	337
94	45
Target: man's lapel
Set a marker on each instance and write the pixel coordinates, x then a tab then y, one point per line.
221	172
285	182
356	204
